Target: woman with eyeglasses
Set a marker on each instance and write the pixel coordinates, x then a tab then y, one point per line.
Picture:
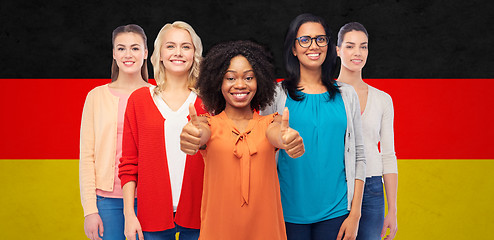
321	191
377	124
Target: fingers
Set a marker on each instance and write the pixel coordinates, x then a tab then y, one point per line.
294	144
340	234
193	115
383	231
285	121
101	230
190	138
141	235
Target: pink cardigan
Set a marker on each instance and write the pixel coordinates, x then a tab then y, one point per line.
98	141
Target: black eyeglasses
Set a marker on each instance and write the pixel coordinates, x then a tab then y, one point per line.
306	41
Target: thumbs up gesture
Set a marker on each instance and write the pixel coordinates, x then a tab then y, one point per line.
291	139
193	134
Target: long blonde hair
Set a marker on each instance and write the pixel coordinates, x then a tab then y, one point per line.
159	67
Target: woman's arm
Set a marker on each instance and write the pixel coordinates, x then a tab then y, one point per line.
390	221
282	136
390	168
132	225
93	225
349	228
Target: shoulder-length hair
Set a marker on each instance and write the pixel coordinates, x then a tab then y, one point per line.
292	64
159	67
130	28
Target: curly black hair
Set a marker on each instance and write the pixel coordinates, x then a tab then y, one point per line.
213	69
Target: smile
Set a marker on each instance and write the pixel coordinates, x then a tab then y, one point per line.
240	96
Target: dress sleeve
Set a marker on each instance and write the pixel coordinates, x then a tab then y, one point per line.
390	164
127	169
87	177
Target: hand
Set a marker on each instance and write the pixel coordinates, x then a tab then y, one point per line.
291	139
349	228
391	223
93	223
133	227
190	138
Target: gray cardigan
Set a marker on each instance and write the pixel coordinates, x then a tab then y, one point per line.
354	143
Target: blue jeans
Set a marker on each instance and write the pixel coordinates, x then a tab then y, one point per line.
169	234
372	218
111	213
324	230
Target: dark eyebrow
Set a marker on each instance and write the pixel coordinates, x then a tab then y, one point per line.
354	43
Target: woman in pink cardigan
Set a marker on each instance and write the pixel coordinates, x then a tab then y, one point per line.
101	135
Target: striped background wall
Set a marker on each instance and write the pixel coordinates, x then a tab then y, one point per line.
443	131
433	57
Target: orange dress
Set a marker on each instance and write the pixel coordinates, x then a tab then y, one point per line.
241	198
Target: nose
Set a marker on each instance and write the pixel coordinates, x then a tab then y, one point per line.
358	51
240	84
313	44
178	51
128	53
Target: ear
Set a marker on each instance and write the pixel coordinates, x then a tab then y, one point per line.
294	52
145	54
337	51
113	52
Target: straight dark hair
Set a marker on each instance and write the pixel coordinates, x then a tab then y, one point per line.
292	64
131	28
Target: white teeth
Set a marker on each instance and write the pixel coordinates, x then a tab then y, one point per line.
355	60
177	61
313	54
128	63
239	94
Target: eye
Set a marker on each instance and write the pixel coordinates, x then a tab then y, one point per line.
349	46
187	47
230	78
120	49
170	46
304	39
321	39
364	47
249	78
135	48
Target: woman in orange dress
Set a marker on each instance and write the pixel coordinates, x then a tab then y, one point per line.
241	198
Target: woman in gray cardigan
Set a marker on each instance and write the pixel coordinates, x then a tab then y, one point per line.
321	191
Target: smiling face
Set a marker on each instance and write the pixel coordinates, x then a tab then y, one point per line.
239	85
177	51
129	52
312	57
353	51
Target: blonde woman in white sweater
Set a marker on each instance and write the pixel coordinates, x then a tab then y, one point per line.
377	124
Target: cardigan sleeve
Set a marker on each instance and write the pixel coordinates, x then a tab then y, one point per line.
278	104
389	161
87	177
360	162
127	169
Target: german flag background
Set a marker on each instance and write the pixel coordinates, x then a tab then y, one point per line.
435	58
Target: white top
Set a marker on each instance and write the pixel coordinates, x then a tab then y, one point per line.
174	123
377	126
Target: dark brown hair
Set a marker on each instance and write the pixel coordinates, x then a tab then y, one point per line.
130	28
